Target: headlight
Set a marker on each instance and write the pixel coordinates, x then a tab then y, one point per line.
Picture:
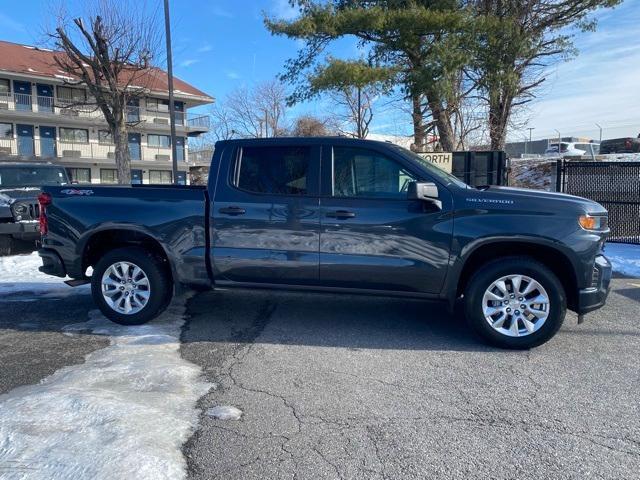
596	223
20	209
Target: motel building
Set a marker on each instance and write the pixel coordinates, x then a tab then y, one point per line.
40	121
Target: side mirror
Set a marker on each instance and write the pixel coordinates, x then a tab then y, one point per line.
427	191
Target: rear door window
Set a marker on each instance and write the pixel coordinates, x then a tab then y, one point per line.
282	170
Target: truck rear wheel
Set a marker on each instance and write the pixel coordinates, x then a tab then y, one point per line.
515	302
130	286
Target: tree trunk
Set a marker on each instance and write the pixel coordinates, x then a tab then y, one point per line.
442	120
499	111
419	142
123	156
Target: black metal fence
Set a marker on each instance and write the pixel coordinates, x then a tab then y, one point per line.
615	185
481	168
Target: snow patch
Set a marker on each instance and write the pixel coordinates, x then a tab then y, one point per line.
124	413
225	412
19	273
624	257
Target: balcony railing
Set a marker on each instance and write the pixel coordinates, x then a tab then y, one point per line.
22	102
60	149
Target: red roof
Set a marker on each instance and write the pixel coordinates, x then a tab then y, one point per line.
29	60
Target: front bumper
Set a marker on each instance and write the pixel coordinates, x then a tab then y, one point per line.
51	263
21	230
594	297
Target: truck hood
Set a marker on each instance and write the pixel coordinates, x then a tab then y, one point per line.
535	199
23	193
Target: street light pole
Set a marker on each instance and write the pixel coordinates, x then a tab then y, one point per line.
530	129
597	125
172	110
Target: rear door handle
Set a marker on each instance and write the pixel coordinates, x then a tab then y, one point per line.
232	210
341	214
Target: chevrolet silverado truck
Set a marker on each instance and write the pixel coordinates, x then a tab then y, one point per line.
334	215
19	189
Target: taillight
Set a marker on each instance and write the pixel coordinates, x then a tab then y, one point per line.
44	199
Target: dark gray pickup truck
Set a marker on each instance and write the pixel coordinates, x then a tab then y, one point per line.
339	215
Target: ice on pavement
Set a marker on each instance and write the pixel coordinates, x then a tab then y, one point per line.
124	413
19	274
624	257
225	412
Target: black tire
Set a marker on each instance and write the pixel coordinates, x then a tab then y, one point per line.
6	245
494	270
159	283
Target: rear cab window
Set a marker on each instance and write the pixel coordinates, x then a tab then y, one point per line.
274	170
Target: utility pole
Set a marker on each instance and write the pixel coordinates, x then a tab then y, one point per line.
530	129
172	109
597	125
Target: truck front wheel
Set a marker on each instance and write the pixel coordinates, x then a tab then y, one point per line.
130	286
515	302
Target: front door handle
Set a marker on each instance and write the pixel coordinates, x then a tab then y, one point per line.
341	214
232	211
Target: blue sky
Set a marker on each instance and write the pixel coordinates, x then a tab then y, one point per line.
220	45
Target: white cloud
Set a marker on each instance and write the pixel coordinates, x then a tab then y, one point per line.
205	48
188	62
221	12
232	75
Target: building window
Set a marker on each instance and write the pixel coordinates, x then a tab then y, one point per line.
72	95
5	87
157	105
80	175
74	135
160	177
6	130
108	175
274	170
105	137
163	141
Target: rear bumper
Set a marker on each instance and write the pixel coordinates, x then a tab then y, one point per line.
51	263
594	297
21	230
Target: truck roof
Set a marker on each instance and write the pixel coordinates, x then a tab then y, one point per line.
303	140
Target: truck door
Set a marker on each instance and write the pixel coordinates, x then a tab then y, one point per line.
265	215
371	235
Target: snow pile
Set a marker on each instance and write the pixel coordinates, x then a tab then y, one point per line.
533	173
624	257
19	273
124	413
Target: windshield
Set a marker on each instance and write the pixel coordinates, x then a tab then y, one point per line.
17	177
440	174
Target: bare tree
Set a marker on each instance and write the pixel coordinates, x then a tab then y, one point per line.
311	126
110	51
260	112
355	109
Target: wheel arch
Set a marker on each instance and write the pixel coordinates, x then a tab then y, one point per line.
103	240
550	255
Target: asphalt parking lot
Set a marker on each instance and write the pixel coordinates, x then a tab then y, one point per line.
362	387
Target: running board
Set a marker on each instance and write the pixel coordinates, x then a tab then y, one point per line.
76	282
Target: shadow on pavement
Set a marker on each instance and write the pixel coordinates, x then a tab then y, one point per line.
326	320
